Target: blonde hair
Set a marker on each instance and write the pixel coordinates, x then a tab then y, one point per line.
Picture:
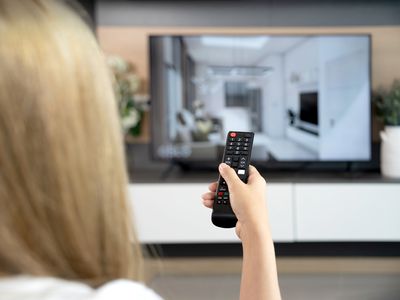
63	183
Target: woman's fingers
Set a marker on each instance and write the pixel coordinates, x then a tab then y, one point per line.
213	187
254	175
253	170
208	196
208	203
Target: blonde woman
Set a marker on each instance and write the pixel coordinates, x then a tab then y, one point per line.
65	230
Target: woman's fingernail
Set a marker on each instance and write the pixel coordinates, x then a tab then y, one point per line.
223	166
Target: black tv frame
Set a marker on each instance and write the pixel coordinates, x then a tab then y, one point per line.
304	165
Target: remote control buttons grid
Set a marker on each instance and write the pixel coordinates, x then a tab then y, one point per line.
236	156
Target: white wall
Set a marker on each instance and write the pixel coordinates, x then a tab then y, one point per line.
344	108
301	75
338	68
273	97
301	62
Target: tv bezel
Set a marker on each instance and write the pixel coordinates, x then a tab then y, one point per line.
274	164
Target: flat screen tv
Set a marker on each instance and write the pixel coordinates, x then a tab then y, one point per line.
306	97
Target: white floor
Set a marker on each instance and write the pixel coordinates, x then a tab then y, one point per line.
281	149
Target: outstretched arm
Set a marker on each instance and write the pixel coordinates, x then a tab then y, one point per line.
259	274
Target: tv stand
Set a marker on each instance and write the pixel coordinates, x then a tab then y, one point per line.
314	207
302	128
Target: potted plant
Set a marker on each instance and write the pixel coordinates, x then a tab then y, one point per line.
387	103
131	104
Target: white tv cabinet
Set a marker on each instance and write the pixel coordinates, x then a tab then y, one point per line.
299	212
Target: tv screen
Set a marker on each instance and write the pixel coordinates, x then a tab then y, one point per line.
306	97
309	108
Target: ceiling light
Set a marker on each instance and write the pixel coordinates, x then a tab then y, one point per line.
249	42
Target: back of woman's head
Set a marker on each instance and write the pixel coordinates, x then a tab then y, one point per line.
63	209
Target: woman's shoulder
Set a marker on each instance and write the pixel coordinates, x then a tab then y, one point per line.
48	288
125	289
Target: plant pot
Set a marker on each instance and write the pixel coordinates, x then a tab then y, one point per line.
390	151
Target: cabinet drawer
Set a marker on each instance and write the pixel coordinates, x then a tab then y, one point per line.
174	213
347	212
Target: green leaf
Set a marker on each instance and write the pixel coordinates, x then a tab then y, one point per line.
387	104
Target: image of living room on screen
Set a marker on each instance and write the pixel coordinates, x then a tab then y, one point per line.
306	97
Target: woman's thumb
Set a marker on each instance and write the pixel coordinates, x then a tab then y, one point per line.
229	175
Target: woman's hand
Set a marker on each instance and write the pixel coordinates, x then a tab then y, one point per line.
247	200
259	275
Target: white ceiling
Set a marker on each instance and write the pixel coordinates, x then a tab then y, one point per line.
238	53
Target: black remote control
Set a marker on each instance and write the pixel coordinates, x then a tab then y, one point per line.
237	155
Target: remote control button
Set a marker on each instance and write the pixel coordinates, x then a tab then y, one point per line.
222	189
232	139
228	158
246	144
248	135
225	202
237	148
239	143
219	198
233	134
231	144
236	152
240	139
245	148
234	164
228	162
241	172
243	158
236	158
246	140
230	152
223	182
220	193
219	202
244	152
225	198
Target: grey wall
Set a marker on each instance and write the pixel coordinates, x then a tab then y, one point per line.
249	13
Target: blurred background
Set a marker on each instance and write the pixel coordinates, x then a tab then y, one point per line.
317	82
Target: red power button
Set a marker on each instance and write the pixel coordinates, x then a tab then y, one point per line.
233	134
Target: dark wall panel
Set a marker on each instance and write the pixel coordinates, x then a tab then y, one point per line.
249	13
